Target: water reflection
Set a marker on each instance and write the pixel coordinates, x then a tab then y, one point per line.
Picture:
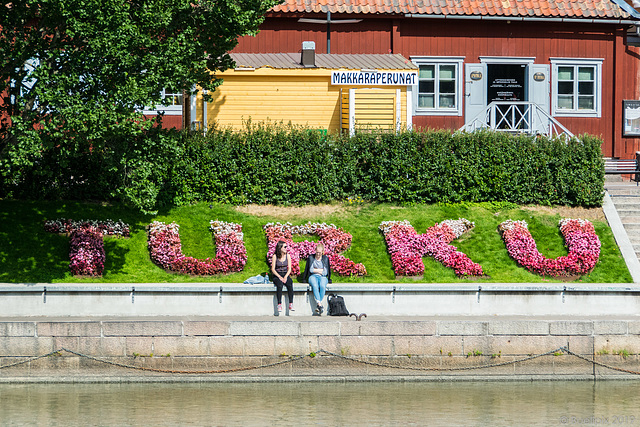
325	404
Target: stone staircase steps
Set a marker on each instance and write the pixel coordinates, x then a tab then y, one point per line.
626	199
627	191
632	228
626	203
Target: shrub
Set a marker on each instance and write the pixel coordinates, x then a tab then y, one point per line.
286	165
278	164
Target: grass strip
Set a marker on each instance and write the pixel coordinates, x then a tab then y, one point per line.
28	254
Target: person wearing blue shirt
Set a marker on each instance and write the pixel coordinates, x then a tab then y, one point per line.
318	274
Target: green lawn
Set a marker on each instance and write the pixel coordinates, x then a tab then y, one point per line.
28	254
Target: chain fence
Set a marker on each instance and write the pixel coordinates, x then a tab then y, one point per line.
292	359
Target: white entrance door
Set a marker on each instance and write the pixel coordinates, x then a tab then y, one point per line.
539	86
475	84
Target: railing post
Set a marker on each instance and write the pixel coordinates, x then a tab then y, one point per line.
636	177
492	117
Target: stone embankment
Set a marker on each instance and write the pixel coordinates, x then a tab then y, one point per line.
312	348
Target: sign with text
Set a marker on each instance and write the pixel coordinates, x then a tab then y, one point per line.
377	78
506	82
631	118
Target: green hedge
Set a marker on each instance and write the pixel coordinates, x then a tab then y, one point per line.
297	166
289	165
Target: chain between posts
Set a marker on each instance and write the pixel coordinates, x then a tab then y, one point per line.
311	355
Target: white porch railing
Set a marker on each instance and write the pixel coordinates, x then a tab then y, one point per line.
516	117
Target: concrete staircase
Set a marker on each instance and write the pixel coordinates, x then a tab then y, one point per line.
625	196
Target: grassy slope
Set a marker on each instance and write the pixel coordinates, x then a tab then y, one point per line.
29	254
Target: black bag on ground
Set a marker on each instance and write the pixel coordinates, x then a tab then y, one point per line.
337	306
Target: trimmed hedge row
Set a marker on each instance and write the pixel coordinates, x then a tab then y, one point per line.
298	166
289	165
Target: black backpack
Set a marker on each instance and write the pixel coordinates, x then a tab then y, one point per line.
337	306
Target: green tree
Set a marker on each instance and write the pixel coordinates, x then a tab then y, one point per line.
75	74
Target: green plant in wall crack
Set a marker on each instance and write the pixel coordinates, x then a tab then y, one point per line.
624	353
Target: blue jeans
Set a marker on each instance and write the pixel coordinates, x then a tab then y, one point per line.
319	285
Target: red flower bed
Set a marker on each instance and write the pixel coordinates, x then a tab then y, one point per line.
408	247
86	252
86	246
580	237
335	241
166	250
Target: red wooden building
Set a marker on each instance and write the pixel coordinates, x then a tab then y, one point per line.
504	63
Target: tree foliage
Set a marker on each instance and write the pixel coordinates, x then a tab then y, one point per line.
75	74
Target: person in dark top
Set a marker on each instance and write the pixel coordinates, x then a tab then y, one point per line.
281	269
318	274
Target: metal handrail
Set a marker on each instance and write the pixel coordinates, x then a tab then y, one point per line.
516	117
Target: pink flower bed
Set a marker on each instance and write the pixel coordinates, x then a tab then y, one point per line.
86	252
166	249
107	228
581	240
335	241
407	247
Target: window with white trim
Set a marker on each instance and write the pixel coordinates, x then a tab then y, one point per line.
577	87
174	98
174	101
439	90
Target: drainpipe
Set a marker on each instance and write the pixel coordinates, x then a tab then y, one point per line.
194	108
525	18
204	112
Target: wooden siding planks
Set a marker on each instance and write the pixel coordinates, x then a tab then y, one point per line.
473	39
306	101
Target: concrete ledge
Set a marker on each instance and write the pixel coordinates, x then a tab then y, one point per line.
22	301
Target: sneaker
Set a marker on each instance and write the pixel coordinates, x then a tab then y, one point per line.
279	308
291	307
319	310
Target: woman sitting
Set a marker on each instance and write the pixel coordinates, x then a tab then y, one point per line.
281	269
318	274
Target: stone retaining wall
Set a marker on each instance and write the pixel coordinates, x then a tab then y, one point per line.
418	347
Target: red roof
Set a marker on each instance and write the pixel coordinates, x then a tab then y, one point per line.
581	9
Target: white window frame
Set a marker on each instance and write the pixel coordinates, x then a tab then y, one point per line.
456	61
169	110
596	63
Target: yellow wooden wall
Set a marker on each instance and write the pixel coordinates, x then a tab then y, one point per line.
299	97
375	108
303	97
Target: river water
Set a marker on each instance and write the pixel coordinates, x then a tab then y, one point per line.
323	404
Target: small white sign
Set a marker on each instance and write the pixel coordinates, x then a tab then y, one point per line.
374	78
